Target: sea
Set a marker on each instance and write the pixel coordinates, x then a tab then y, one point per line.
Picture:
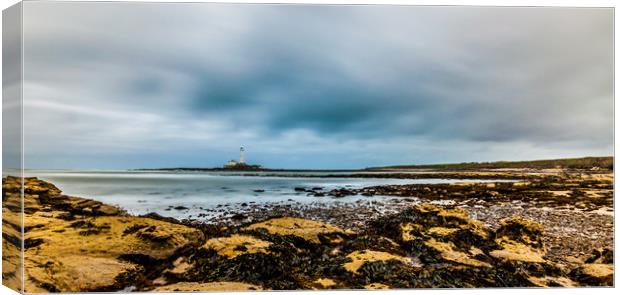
201	193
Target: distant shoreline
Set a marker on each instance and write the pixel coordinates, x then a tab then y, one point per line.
422	174
248	170
603	163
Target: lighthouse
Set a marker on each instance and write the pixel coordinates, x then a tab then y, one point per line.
241	155
240	164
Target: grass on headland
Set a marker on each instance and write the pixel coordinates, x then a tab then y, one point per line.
572	163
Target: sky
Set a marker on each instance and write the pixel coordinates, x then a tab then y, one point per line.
148	85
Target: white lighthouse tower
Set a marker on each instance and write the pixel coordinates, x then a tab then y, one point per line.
241	155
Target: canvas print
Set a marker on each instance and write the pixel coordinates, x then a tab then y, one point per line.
153	147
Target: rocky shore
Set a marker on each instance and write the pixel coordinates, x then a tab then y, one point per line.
548	230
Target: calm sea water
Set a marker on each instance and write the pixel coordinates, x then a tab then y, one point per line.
144	192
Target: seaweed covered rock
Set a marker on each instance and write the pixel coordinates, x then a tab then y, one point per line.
12	233
421	247
236	245
551	281
289	226
448	252
323	283
519	240
449	240
279	253
75	245
83	255
376	286
359	258
604	256
521	230
210	287
436	234
594	274
11	256
41	195
76	273
598	269
429	219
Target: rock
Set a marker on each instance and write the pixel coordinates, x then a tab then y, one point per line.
211	287
84	255
521	230
303	228
341	192
236	245
79	273
602	256
594	274
359	258
106	210
324	283
12	257
156	216
180	208
428	221
376	286
238	217
549	281
451	237
179	267
519	240
513	251
449	252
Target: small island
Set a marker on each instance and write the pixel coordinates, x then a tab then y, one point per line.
241	165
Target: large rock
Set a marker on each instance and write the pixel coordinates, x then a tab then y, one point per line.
306	229
75	245
78	273
83	255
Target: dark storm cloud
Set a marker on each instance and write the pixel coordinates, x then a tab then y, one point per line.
177	78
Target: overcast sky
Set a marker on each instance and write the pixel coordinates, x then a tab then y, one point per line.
131	85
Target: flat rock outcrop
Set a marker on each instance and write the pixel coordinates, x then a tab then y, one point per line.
78	245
